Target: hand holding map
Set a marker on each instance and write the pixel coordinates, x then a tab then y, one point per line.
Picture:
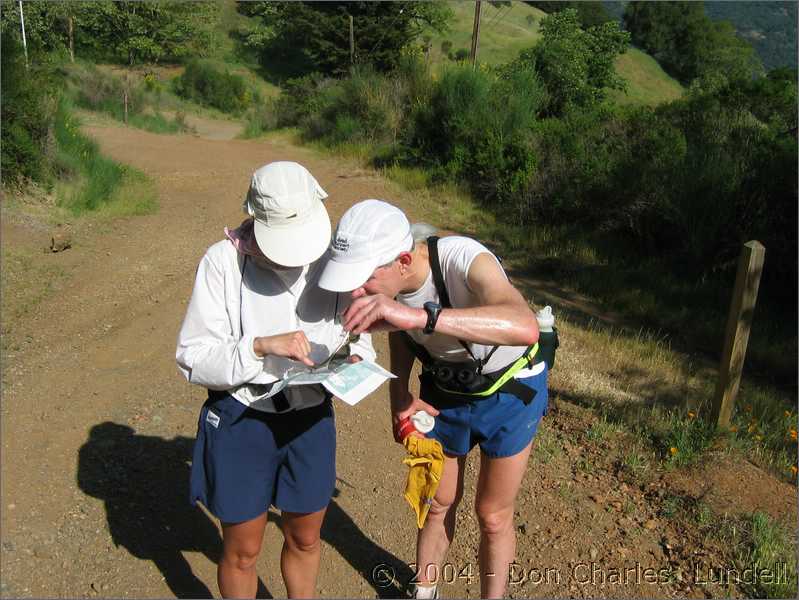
350	382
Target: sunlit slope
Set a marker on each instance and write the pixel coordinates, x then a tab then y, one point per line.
505	31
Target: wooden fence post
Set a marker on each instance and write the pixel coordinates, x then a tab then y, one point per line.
739	323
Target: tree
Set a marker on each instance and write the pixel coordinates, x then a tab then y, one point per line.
315	35
28	108
576	65
720	52
590	13
668	31
46	24
118	31
148	31
688	44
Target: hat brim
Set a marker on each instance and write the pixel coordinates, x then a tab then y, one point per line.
345	277
297	245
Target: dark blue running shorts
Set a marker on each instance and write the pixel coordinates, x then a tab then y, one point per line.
502	424
246	460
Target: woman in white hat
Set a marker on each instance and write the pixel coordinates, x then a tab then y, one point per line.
256	314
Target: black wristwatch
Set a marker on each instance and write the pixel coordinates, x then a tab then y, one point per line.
433	309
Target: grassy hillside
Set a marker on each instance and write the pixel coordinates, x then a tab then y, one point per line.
505	31
647	82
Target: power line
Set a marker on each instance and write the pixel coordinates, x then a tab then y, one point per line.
385	29
496	16
494	22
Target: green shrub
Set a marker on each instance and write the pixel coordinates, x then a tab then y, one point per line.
103	92
260	119
28	109
93	89
461	54
79	158
299	99
207	84
368	106
477	127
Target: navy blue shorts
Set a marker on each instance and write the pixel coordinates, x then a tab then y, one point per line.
246	460
502	424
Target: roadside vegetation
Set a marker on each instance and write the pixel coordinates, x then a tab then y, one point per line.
91	182
142	101
601	197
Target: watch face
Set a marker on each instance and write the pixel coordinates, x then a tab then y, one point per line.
432	309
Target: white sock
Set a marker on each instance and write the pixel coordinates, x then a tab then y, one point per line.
426	592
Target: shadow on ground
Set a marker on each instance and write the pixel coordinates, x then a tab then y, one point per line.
144	483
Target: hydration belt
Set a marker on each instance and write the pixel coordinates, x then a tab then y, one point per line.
444	382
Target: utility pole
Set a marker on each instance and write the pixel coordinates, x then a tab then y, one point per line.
352	42
475	31
24	41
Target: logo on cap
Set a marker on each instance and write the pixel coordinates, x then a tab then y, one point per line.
341	244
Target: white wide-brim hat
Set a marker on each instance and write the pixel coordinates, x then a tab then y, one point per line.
296	244
292	227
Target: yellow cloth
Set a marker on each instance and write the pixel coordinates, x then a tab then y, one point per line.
426	460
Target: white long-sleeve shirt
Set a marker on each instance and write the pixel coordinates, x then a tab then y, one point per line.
226	313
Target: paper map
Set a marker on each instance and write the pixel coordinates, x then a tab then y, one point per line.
350	382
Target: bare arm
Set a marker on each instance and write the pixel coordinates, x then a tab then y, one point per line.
403	403
503	317
401	364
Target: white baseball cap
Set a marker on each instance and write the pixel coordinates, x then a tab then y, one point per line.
292	226
370	234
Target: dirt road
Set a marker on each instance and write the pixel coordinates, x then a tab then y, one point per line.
97	425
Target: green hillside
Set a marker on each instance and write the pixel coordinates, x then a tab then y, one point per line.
505	31
647	82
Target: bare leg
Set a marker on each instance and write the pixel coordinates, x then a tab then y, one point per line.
299	560
241	546
433	540
497	487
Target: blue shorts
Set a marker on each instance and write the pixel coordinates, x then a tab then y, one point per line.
502	424
246	460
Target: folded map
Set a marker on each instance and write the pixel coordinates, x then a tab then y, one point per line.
350	382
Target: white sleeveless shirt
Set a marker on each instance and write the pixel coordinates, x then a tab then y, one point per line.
456	254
